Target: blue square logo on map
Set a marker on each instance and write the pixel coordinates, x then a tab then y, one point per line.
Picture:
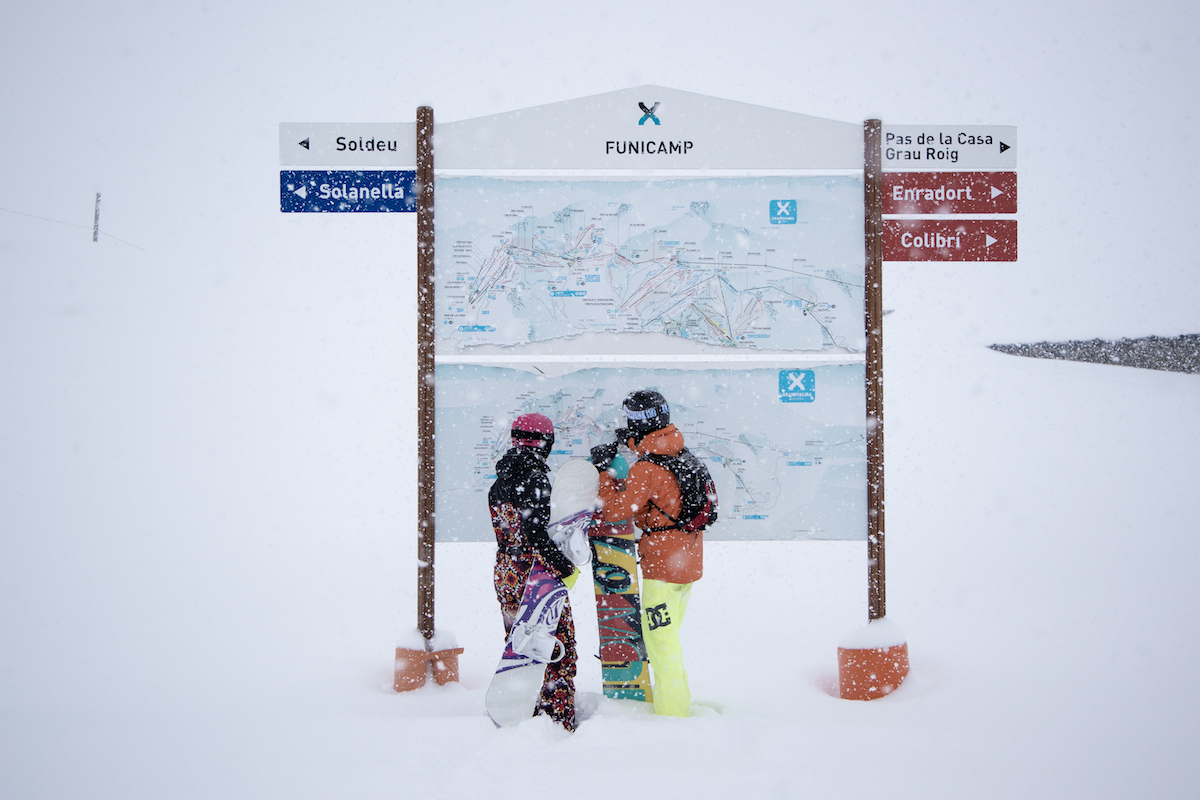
797	385
783	212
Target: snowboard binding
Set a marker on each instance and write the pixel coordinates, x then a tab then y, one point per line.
534	641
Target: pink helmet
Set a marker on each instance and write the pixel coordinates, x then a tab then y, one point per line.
533	430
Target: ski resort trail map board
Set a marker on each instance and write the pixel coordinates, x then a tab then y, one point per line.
771	263
786	447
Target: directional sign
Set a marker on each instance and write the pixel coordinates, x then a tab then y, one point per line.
347	191
347	144
922	147
949	193
949	240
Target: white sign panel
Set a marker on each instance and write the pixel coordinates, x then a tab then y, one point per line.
949	147
347	144
649	128
708	249
785	446
770	263
646	128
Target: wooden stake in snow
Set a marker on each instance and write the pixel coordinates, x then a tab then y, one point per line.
96	221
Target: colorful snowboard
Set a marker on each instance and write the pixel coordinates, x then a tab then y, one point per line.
624	665
513	695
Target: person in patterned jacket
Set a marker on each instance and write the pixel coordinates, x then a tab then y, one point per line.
520	508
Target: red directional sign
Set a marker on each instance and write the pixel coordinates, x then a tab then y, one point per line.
949	193
949	240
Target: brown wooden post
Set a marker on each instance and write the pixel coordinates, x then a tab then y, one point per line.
873	180
425	369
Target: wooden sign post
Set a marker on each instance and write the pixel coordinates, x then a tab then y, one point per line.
412	666
874	661
426	510
873	186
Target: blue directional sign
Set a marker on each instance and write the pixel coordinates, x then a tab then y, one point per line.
326	191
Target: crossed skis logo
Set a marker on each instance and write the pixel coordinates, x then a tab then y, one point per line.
784	212
797	385
648	113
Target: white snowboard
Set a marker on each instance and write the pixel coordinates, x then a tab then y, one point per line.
574	497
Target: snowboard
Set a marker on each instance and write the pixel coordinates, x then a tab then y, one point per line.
624	665
574	498
513	694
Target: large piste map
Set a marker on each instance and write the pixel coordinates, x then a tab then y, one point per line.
771	262
786	446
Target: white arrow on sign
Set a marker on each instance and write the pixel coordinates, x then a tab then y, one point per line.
989	240
996	192
302	192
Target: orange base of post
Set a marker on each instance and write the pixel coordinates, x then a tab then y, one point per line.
411	667
445	665
871	673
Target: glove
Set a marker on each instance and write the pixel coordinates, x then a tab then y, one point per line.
603	455
555	560
570	579
619	468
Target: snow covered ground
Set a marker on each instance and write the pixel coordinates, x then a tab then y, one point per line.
207	435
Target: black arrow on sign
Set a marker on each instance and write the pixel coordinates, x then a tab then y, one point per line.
1003	146
304	144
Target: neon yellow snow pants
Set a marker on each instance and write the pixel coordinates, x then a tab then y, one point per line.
663	607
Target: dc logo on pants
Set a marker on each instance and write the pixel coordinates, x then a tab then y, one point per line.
657	616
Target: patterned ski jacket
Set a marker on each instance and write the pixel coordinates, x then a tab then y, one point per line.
520	506
650	490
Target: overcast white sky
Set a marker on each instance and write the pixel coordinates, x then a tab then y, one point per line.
171	112
206	428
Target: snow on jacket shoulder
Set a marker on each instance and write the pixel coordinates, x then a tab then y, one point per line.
650	490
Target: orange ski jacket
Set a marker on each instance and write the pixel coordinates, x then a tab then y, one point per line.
649	490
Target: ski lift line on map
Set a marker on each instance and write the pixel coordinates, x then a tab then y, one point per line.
718	332
691	265
721	267
695	282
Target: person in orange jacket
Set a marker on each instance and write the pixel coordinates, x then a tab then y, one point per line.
672	560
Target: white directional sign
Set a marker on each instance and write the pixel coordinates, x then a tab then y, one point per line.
347	144
958	147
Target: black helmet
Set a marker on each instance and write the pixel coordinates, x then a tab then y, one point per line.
647	411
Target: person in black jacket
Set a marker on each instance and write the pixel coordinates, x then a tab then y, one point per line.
520	507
